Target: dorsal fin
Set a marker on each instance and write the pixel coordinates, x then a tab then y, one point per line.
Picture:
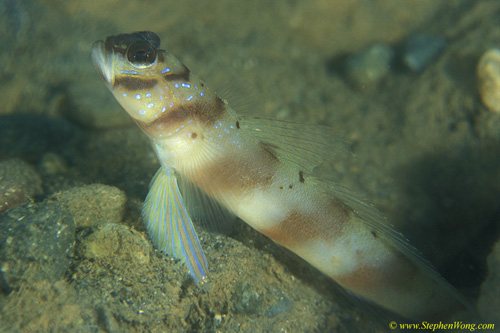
305	145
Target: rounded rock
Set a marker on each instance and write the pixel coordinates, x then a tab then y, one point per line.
488	78
119	242
36	243
93	204
369	66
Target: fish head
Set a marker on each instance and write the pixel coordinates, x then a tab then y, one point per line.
153	86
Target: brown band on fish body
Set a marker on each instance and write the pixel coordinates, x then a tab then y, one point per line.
210	112
205	112
293	231
300	227
134	83
230	174
394	274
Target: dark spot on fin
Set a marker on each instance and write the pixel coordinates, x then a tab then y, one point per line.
269	150
374	233
290	186
301	177
237	124
193	135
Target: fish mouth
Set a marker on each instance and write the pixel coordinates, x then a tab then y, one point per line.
102	61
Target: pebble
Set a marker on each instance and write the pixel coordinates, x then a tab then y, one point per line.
19	183
488	78
246	299
420	49
36	242
113	240
52	164
93	204
283	305
370	65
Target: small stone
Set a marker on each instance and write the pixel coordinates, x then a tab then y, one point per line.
52	164
246	299
370	65
117	240
420	49
35	244
488	77
93	204
19	183
283	305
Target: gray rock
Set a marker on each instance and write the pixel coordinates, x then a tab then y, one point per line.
246	299
282	306
35	243
421	49
19	183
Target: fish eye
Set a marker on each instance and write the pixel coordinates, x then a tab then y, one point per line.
141	54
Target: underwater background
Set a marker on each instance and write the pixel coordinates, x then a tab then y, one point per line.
400	80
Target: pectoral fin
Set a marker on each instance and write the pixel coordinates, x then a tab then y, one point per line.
169	225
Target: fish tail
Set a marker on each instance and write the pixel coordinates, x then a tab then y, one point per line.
169	225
